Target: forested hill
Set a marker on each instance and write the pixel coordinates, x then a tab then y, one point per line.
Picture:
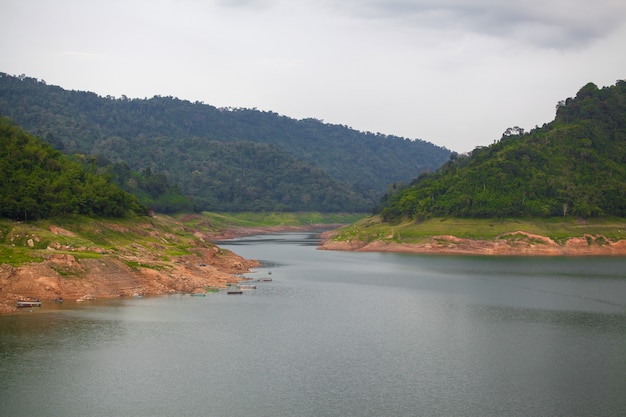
37	181
574	165
182	139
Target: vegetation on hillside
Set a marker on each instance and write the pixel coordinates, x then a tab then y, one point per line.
218	223
89	237
248	176
226	159
153	190
37	181
575	165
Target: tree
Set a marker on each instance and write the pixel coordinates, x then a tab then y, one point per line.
39	182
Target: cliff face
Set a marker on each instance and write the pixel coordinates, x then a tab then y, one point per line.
143	267
510	244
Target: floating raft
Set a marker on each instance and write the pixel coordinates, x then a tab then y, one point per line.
246	286
28	303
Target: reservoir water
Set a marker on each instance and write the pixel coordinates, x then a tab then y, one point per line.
336	334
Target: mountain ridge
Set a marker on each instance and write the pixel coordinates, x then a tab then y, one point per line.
83	122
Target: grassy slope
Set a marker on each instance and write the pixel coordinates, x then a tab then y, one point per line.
222	221
93	235
371	229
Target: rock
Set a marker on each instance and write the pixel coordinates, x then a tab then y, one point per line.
60	231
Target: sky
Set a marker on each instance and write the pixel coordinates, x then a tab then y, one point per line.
455	73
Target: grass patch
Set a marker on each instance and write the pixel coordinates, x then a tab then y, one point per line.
86	255
135	266
177	252
15	256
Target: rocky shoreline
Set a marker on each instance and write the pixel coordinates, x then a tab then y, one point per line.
139	270
71	278
75	273
136	270
517	243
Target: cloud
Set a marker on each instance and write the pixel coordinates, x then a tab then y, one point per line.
542	23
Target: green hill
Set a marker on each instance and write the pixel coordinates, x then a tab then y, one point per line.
248	176
37	181
153	190
574	165
216	155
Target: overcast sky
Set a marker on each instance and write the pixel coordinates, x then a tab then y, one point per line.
452	72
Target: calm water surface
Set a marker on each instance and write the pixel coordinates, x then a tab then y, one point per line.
336	334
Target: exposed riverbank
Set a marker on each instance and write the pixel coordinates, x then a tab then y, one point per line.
161	255
522	244
87	258
103	259
512	237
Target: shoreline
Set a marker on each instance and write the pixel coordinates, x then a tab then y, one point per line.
517	243
111	277
133	272
72	277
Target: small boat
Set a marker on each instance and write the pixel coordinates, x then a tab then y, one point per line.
28	303
197	294
231	292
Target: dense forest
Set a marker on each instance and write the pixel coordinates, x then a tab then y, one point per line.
153	190
235	177
224	159
37	181
574	165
